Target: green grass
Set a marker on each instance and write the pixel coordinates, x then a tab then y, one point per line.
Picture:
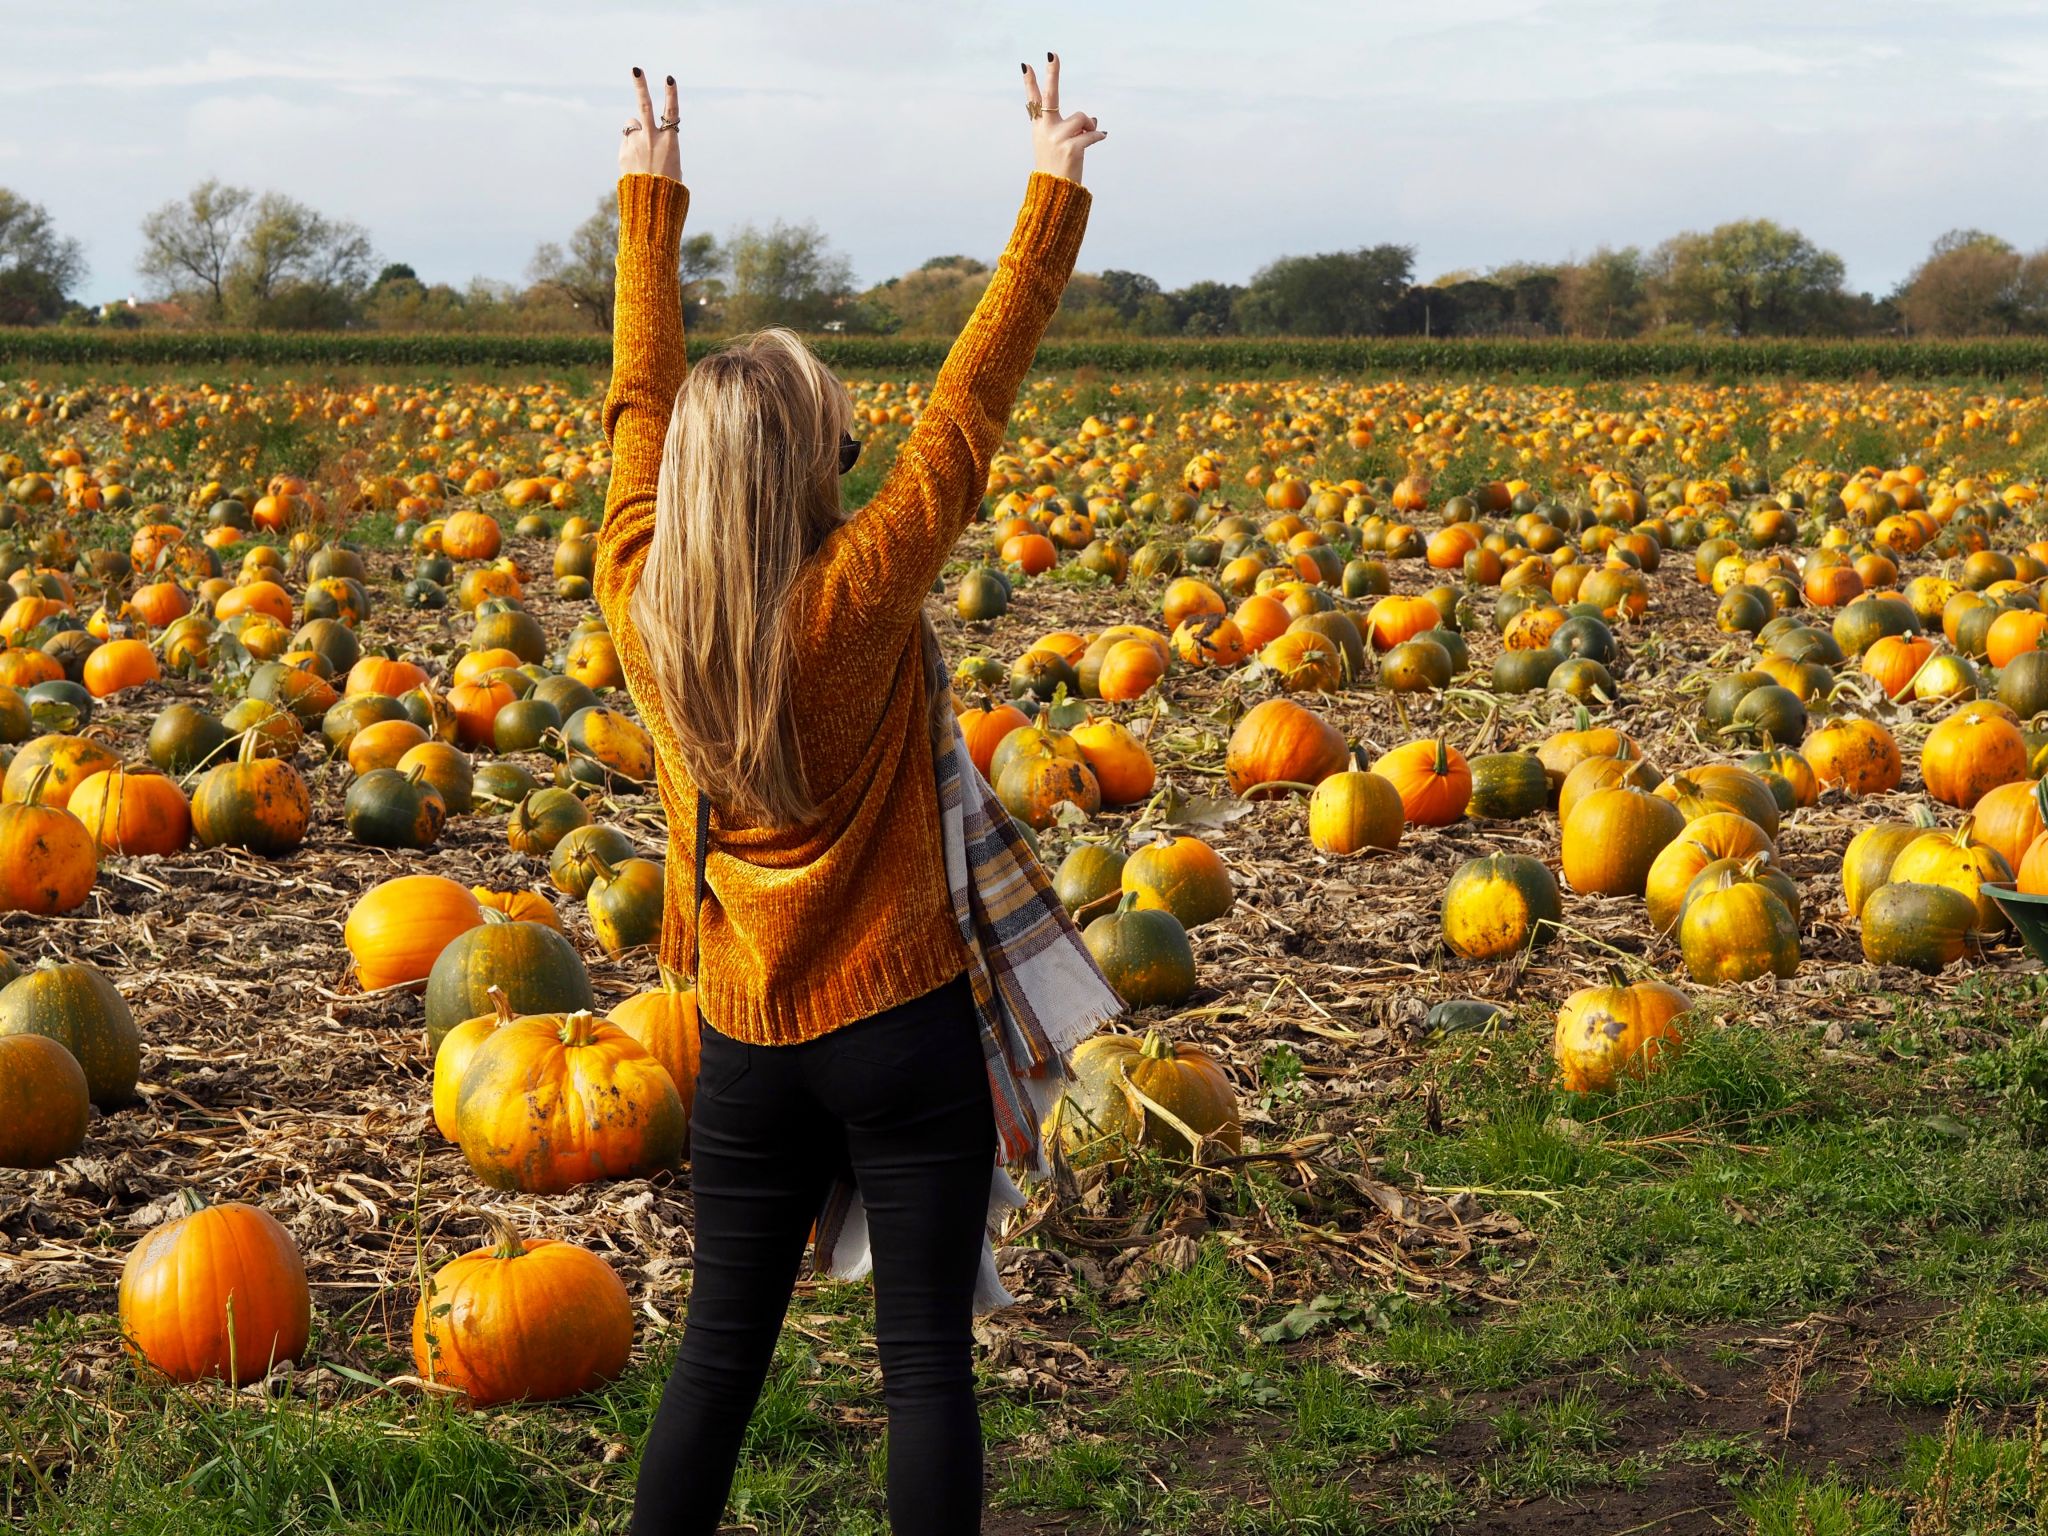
1757	1181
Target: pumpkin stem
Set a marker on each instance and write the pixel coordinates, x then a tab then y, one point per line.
1966	831
495	915
501	1003
1128	903
35	784
605	872
507	1243
1443	758
579	1028
1156	1047
193	1201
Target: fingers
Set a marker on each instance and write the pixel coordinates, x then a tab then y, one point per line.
646	101
1031	93
672	114
1052	82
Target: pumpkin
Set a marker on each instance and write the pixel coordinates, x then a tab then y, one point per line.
1868	860
611	741
538	968
1893	662
551	1101
453	1055
625	902
219	1291
1606	1033
984	728
1432	779
1122	767
119	665
575	862
1717	835
382	743
522	1320
1280	746
1508	786
1499	905
47	859
1353	811
447	768
397	929
543	819
133	813
1628	770
1144	953
1392	620
45	1104
476	706
1032	787
1857	755
1128	1092
519	906
1972	751
665	1021
388	809
1089	873
1613	837
2010	817
501	784
1957	860
48	769
258	803
1181	875
1722	787
1737	930
1924	927
471	536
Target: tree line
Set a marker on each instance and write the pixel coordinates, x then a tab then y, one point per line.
231	256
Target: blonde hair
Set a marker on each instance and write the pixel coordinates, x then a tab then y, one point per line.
749	489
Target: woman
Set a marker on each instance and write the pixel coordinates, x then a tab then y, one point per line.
773	642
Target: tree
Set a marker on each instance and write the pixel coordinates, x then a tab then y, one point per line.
1750	277
296	267
582	271
786	274
38	266
1338	293
1205	308
1607	294
933	300
1128	291
188	246
698	266
395	272
1967	286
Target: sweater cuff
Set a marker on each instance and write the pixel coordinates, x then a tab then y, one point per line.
1052	221
651	210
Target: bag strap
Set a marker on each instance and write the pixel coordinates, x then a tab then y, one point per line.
703	851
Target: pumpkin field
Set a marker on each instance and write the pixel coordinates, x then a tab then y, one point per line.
1556	841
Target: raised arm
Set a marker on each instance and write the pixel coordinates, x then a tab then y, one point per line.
885	559
648	361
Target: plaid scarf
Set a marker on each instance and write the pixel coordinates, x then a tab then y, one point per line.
1037	991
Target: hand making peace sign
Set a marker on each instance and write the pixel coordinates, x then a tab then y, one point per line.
647	147
1060	140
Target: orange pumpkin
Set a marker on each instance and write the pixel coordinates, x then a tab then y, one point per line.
1279	747
664	1021
1859	755
397	929
1973	751
219	1291
133	813
1607	1033
1431	777
385	675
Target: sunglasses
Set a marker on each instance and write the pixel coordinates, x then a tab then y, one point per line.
849	452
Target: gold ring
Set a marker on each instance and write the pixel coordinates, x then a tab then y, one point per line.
1032	110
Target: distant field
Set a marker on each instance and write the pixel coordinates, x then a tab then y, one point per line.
1995	360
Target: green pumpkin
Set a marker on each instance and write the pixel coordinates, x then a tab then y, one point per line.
626	903
1726	694
331	640
385	808
1040	674
511	629
984	596
527	725
582	852
1770	713
79	1008
543	819
348	719
1525	671
503	784
1500	904
1144	954
538	968
1089	872
1508	786
183	736
1923	927
568	695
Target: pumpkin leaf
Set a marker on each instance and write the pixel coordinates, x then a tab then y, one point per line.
1321	1311
1176	809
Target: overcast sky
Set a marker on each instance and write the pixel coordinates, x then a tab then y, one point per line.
462	134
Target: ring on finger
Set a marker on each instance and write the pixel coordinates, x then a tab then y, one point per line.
1033	110
629	130
668	125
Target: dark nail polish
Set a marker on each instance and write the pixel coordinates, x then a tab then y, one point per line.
1025	68
636	71
1048	58
671	79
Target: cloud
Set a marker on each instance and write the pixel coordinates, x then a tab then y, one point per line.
462	134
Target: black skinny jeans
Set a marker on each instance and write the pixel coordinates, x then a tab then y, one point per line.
902	1098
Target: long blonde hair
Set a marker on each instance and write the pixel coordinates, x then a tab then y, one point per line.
749	489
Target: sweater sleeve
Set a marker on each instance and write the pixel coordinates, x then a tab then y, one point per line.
884	560
648	365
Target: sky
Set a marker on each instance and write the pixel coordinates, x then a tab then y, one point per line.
462	134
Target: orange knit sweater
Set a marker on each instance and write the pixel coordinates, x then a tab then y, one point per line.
811	928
